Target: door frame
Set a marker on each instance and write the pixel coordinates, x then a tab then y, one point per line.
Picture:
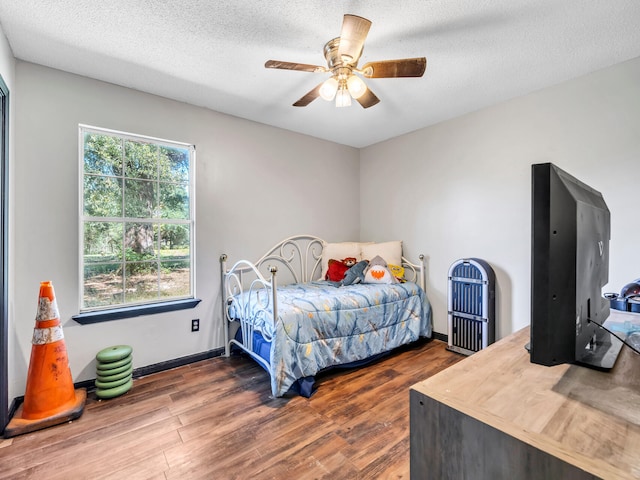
4	254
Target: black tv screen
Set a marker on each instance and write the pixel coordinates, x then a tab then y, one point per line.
570	225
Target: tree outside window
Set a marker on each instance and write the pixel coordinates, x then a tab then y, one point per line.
137	219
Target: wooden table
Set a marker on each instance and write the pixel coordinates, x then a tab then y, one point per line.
496	415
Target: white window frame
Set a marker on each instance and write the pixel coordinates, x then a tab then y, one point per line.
130	308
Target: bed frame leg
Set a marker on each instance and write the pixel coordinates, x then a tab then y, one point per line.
225	323
423	272
274	291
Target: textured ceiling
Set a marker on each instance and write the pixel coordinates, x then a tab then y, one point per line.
212	53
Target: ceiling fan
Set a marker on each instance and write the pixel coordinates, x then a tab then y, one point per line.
342	55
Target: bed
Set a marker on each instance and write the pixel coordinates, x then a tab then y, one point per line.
283	312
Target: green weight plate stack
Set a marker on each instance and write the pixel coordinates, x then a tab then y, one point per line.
114	371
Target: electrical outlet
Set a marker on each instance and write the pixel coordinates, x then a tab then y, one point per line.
195	324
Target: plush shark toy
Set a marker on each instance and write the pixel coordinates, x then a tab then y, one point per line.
355	274
378	272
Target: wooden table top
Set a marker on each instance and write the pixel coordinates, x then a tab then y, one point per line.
588	418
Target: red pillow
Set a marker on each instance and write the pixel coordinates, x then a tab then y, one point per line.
336	271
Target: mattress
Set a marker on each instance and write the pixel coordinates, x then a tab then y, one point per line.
323	325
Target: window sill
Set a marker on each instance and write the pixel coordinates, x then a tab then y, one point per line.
130	312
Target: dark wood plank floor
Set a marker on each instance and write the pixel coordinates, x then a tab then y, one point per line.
216	419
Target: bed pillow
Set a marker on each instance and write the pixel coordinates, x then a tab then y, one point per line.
339	250
391	252
338	268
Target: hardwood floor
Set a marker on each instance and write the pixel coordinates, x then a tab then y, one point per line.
216	419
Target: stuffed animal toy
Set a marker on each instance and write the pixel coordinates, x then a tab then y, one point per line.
397	271
355	274
378	272
337	268
350	261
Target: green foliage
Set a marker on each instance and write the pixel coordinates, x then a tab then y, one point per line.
135	267
141	160
174	201
102	154
102	196
174	236
102	242
174	164
102	269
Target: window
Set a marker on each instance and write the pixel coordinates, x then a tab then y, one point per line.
137	228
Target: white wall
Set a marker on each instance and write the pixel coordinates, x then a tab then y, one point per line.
255	186
462	188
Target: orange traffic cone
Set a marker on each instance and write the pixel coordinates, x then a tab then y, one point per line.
50	398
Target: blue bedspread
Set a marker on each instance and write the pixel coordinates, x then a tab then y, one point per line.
321	325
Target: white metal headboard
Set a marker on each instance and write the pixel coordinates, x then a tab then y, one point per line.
301	256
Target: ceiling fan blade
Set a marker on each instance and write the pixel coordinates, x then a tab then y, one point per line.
352	37
406	67
303	67
308	97
368	99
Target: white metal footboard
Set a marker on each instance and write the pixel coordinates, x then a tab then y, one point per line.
243	296
245	284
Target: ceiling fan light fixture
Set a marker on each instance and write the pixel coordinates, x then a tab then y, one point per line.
356	86
342	55
343	99
329	88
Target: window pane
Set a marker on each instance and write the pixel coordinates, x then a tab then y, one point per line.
141	160
175	279
137	219
140	241
102	154
174	242
102	242
174	201
140	198
102	196
103	285
141	282
174	164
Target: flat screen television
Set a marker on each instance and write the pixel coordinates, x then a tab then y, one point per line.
570	235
